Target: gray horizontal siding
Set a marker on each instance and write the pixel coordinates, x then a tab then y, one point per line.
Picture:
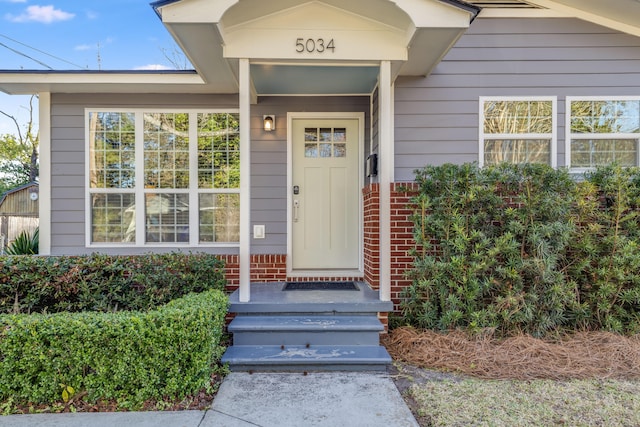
437	117
268	161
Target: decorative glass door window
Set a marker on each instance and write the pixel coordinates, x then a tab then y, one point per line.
181	168
517	130
603	131
325	142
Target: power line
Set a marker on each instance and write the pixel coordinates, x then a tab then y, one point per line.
37	50
25	55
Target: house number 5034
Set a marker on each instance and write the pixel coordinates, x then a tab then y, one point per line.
314	45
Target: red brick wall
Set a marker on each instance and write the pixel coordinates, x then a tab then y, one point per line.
269	268
401	236
273	268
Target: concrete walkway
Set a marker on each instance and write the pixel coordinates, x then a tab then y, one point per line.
265	399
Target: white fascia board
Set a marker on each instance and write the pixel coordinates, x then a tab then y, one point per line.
123	77
522	13
19	82
195	11
435	14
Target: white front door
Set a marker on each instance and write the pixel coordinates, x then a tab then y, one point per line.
325	194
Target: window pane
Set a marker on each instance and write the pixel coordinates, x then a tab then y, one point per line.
311	150
111	150
166	137
218	150
112	218
219	218
588	153
167	217
605	116
518	117
517	151
311	134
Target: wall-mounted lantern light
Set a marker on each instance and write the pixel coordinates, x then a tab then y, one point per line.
269	122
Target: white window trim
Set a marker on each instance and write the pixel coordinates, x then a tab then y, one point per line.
570	136
554	126
139	190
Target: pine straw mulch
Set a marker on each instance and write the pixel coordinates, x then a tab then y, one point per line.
581	355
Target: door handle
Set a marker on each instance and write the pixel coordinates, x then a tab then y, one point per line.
296	205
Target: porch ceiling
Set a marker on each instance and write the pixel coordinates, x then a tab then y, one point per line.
270	79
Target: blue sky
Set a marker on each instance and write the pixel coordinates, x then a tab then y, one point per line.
72	35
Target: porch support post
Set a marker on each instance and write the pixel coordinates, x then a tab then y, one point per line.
44	208
245	180
385	176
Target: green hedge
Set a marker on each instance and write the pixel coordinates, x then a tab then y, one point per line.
103	282
127	356
525	249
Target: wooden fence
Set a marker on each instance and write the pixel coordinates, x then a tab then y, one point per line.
11	225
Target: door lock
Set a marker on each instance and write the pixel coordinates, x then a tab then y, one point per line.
296	190
296	206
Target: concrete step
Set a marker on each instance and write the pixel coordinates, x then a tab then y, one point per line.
271	298
301	358
302	330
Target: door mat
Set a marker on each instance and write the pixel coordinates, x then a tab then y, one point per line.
320	286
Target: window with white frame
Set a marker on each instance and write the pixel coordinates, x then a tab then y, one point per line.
163	178
517	130
602	131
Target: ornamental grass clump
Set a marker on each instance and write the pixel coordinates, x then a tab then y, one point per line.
524	248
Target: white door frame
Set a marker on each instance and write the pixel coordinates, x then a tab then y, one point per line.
324	115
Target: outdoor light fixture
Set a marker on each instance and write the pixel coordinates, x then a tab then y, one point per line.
269	122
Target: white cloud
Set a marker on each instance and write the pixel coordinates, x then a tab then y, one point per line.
92	15
82	47
153	67
42	14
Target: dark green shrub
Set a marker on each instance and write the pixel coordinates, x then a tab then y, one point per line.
129	356
525	249
103	282
604	258
25	244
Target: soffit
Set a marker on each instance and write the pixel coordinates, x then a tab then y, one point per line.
608	13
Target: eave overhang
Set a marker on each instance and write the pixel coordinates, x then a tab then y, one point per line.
35	81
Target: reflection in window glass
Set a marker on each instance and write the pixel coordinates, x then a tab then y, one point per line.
518	117
311	134
218	151
325	142
605	116
112	150
587	153
167	217
325	150
166	137
219	218
311	150
603	132
516	151
163	194
325	134
113	217
517	131
339	135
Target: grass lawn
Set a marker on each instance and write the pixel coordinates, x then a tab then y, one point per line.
442	399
